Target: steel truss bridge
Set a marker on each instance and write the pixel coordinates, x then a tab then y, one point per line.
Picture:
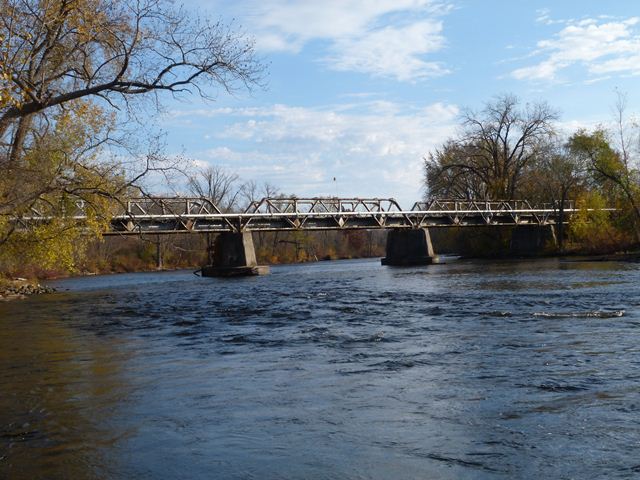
164	215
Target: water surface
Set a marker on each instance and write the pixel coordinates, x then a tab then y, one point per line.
329	370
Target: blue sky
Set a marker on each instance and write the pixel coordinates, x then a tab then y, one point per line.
362	90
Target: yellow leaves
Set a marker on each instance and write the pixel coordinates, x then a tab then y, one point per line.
81	118
54	244
10	95
59	242
86	18
61	171
591	227
74	130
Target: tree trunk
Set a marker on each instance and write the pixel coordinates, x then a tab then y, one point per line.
159	259
563	199
19	137
629	193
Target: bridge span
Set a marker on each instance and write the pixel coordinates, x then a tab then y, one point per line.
408	240
181	214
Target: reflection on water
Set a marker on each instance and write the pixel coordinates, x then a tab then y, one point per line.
330	370
55	384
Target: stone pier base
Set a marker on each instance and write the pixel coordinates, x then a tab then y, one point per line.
409	247
234	255
532	240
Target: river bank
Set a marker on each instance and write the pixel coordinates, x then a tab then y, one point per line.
613	257
21	288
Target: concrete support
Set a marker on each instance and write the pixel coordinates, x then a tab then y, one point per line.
409	247
234	255
532	240
159	260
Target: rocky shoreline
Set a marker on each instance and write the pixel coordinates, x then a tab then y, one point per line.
16	289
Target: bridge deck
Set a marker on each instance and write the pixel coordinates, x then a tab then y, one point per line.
181	214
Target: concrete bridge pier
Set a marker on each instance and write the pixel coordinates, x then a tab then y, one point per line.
532	240
409	247
233	255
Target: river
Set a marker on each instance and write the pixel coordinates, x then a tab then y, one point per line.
330	370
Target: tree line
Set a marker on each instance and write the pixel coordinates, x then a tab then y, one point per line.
509	150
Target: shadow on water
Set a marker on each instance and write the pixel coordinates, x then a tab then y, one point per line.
328	370
61	390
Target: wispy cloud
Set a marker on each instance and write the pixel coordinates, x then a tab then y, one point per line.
543	16
390	38
601	46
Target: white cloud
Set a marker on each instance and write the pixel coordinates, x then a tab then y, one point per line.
372	148
392	50
601	46
390	38
543	16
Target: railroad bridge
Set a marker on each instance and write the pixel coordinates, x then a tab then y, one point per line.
408	240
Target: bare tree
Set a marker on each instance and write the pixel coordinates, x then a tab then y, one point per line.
65	61
627	137
444	178
252	191
493	150
218	185
58	51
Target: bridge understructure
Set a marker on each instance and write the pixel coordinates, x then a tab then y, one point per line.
408	240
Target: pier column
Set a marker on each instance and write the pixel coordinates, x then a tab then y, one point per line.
409	247
159	260
532	240
234	255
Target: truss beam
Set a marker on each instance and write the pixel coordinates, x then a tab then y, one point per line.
166	215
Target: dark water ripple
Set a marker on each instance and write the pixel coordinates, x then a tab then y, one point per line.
333	370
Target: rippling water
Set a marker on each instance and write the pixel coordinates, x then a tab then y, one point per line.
329	370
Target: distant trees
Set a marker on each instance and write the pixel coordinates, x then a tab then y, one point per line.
216	184
252	191
226	189
70	74
557	177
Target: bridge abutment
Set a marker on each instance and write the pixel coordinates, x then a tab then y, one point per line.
234	255
409	247
532	240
